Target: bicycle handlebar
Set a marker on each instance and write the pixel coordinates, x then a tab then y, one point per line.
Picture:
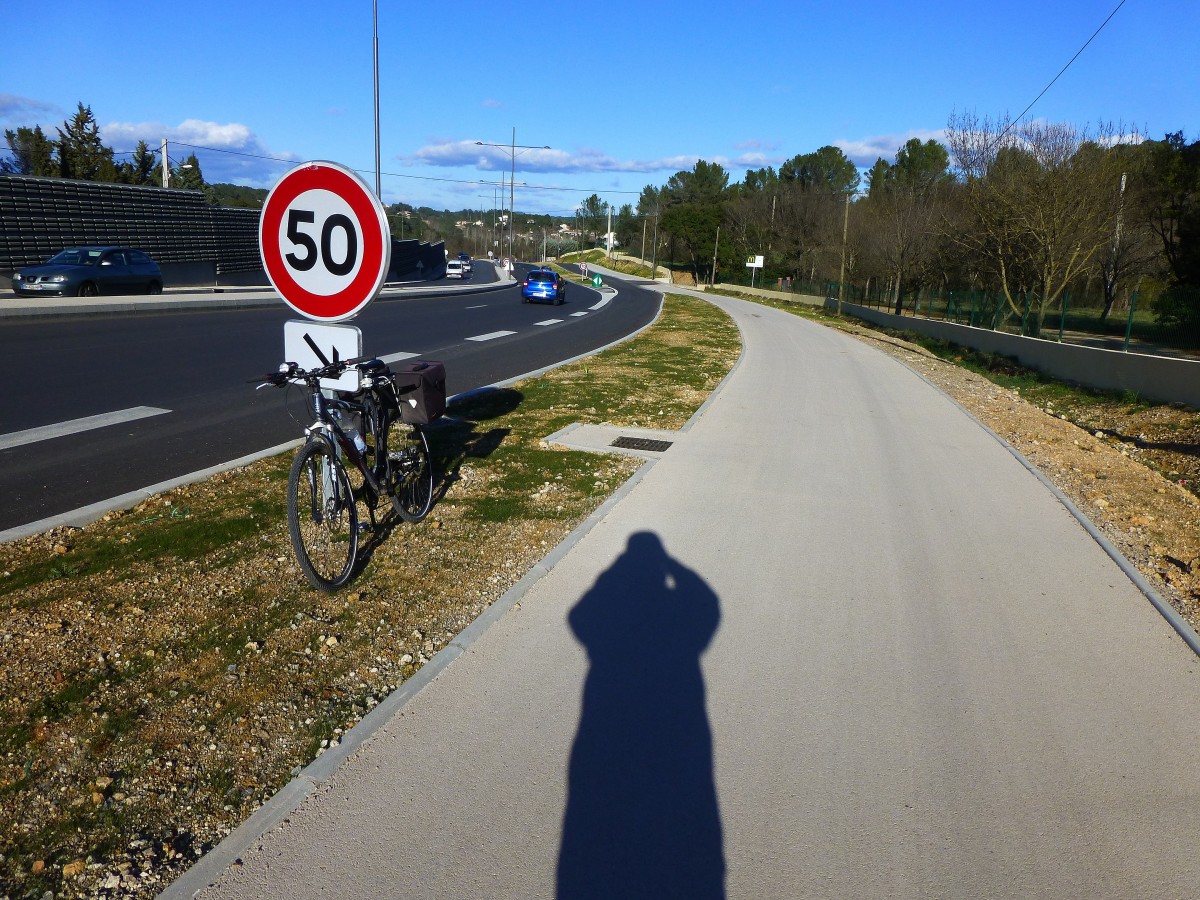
292	372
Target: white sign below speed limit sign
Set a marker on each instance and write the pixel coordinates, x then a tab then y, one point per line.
325	242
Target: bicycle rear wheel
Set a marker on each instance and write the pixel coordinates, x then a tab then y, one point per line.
411	472
322	518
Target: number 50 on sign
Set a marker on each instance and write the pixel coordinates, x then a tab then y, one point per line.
325	242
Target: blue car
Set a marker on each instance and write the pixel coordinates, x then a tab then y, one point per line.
544	285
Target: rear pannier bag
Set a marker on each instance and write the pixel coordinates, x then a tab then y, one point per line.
420	391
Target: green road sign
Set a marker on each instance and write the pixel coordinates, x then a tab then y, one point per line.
597	281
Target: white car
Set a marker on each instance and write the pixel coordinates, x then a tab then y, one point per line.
454	269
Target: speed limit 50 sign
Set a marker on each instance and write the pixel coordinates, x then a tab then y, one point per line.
325	242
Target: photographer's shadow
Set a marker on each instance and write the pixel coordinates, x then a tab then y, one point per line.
642	817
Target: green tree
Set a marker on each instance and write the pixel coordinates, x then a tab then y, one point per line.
628	229
1173	189
692	210
187	175
827	169
81	153
922	167
902	206
878	176
592	217
30	153
142	167
648	201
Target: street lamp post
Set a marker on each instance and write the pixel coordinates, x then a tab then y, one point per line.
513	147
375	42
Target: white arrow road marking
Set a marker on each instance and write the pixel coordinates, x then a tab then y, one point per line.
75	426
550	322
492	336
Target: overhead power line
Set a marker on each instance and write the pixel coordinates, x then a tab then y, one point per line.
536	187
1059	75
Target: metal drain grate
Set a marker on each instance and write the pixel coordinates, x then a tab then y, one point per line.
632	443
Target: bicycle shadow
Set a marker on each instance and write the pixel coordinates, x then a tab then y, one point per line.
453	440
642	816
459	437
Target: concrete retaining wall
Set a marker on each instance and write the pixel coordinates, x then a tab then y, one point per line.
1158	378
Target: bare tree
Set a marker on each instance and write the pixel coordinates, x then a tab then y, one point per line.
1041	201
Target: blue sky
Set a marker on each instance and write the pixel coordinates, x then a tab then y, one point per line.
625	93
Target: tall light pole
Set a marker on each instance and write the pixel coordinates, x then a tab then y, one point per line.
513	147
375	40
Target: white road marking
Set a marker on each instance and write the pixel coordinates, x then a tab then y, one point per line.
603	303
398	357
484	306
550	322
579	314
75	426
492	336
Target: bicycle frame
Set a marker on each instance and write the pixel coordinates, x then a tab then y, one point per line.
326	426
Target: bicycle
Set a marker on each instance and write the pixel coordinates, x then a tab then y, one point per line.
364	432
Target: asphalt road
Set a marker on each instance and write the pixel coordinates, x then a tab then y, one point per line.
186	373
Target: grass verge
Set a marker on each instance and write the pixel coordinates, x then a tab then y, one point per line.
165	670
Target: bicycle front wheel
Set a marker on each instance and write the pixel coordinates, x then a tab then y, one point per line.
322	518
411	472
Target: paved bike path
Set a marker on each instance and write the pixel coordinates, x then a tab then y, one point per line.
836	642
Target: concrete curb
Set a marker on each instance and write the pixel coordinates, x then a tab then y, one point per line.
207	299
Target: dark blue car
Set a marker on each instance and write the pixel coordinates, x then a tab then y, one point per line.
545	286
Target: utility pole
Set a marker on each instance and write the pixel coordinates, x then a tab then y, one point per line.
166	166
712	276
645	222
608	235
842	274
654	262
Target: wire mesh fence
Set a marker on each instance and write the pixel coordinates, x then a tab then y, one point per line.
1167	325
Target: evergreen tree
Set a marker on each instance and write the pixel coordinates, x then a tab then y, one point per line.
187	174
81	153
30	153
141	169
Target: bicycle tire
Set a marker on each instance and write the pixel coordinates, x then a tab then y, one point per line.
411	472
322	518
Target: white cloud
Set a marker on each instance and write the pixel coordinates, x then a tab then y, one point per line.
865	151
487	158
756	145
246	159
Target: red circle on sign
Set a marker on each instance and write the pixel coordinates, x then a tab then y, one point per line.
372	225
